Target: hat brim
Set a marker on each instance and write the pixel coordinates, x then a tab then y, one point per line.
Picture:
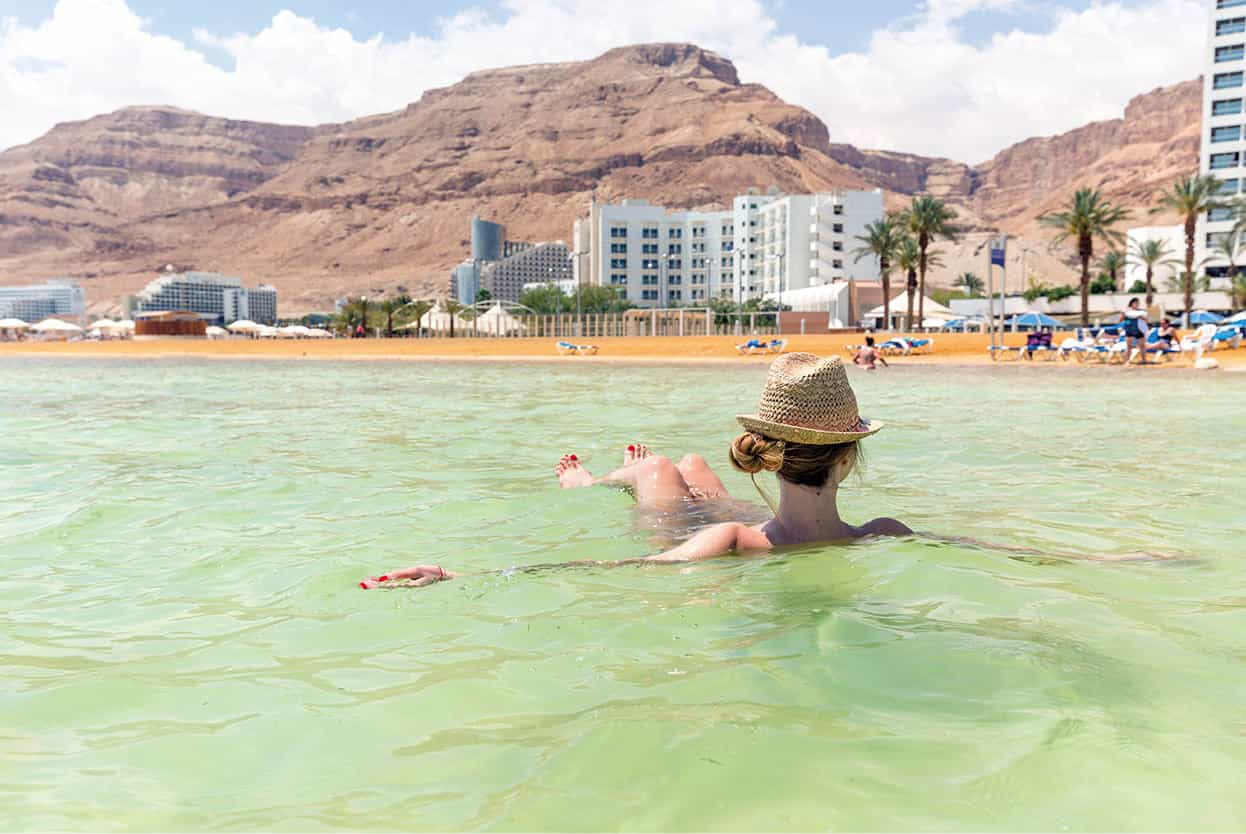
800	434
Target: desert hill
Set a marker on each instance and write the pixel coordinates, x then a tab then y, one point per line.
384	201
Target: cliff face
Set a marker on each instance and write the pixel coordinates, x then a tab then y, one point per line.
384	201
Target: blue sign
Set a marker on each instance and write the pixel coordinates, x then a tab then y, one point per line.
998	248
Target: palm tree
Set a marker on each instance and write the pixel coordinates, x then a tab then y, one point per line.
1151	254
971	283
1227	248
1090	216
1189	198
451	306
390	306
881	240
1112	263
926	220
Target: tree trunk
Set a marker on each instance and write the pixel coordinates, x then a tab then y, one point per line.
1189	266
885	268
911	287
1085	251
923	241
1150	292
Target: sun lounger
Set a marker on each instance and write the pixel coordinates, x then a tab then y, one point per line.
569	349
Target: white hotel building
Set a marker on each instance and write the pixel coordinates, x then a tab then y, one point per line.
763	245
1223	150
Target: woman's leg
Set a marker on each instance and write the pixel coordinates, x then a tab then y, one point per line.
652	480
700	479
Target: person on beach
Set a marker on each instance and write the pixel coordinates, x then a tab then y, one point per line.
867	355
1136	328
1166	337
807	430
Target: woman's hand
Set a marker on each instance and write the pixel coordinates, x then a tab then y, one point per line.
417	577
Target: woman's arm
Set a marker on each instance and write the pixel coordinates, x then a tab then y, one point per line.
710	543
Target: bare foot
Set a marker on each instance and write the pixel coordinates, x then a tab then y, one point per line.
635	452
570	474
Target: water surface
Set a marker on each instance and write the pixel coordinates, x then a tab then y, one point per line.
185	646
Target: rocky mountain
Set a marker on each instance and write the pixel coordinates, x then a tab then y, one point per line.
383	202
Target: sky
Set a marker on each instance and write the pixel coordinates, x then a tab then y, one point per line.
955	78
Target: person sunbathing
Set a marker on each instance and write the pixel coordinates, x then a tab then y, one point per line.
807	430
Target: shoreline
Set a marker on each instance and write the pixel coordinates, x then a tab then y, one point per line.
950	350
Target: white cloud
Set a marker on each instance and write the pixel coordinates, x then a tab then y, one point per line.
919	86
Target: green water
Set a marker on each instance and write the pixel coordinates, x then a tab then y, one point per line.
185	647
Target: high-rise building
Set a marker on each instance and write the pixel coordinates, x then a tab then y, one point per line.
60	297
218	299
1223	118
763	245
541	263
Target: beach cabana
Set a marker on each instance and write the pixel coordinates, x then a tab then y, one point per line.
244	326
1034	319
55	329
12	328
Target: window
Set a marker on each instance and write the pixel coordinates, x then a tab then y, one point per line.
618	248
837	228
1226	80
618	280
649	280
1220	161
1228	53
675	234
1231	133
1227	106
649	232
839	209
1218	215
1230	26
618	231
648	249
1229	186
618	263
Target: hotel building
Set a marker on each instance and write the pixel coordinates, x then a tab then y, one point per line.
218	299
1223	149
763	245
60	297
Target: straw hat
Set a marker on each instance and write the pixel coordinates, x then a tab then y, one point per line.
807	399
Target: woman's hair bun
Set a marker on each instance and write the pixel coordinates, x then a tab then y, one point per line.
752	453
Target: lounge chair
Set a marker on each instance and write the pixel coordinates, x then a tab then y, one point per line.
1199	341
999	352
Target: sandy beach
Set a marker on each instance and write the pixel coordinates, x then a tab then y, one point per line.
949	349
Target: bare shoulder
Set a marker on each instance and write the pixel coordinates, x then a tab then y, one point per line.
886	527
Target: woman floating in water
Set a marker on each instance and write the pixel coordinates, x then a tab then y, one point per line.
807	431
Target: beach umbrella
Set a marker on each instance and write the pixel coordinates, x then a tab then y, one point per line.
55	326
244	326
13	324
1204	317
1033	318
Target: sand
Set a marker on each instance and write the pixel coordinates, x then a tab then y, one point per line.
949	349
